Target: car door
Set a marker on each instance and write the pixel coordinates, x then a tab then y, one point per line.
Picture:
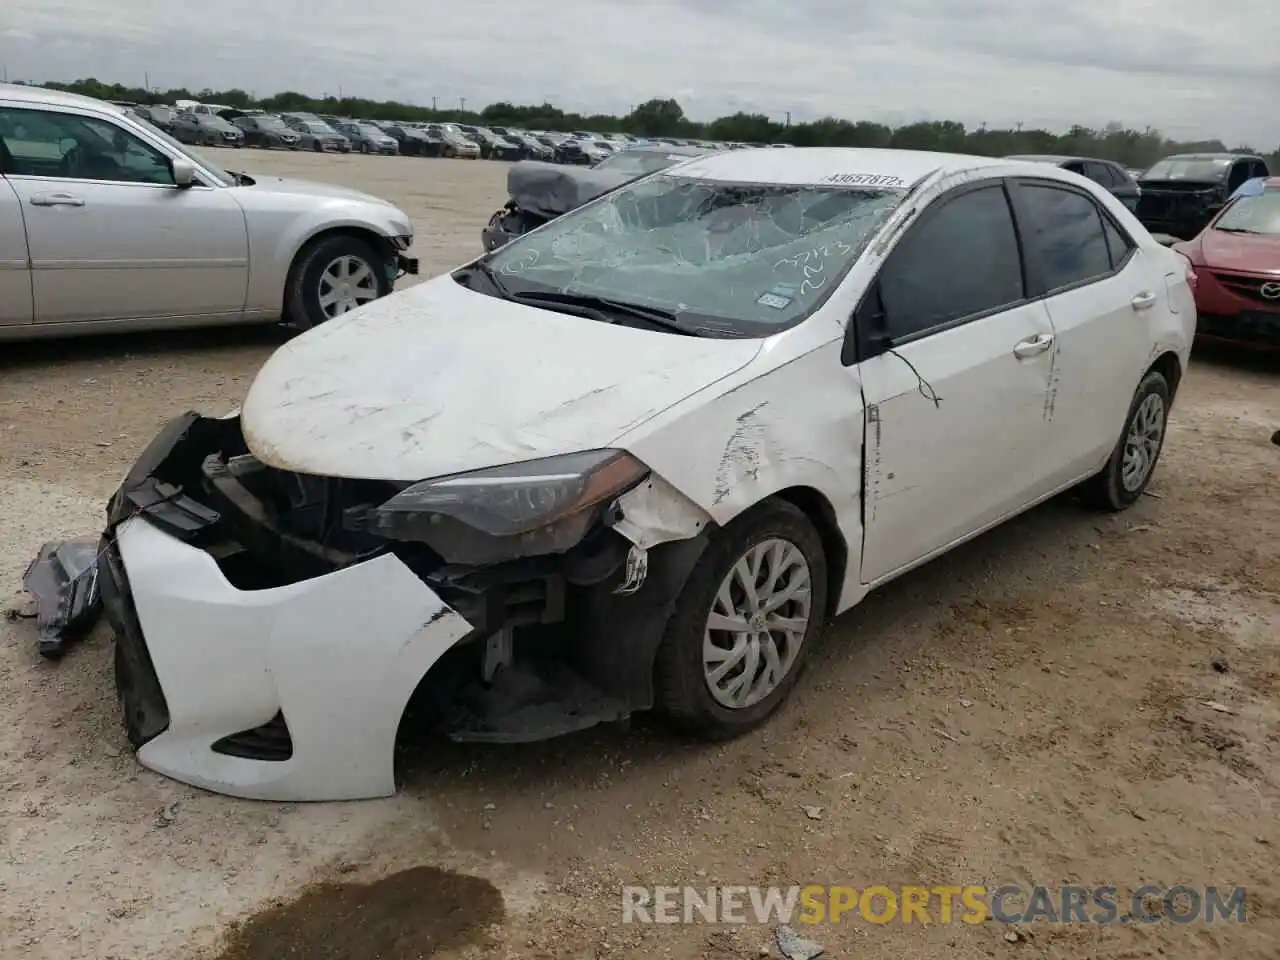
955	382
15	273
110	236
1100	290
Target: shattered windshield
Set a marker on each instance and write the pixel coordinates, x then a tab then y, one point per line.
747	258
1189	169
638	163
1256	214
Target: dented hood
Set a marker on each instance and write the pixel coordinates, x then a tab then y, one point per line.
439	379
550	189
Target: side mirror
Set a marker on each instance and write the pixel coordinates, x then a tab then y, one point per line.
184	173
866	335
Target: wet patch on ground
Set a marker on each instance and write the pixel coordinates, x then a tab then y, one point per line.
411	915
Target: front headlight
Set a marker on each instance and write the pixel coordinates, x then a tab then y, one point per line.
511	500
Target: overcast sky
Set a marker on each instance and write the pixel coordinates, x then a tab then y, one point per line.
1191	68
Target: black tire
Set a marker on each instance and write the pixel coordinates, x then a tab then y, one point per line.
1106	489
302	290
683	694
364	148
318	147
449	153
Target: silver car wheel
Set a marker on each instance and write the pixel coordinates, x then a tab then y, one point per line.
1142	443
346	283
757	624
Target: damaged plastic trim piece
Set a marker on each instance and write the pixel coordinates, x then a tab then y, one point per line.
63	580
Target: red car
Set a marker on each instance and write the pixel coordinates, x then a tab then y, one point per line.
1237	265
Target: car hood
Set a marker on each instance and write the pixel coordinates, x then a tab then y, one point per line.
550	189
327	191
439	379
1241	251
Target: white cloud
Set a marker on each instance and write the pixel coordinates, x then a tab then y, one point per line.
1187	68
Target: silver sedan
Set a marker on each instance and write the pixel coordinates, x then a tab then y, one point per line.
107	223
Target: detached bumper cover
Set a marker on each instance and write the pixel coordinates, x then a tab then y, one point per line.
336	657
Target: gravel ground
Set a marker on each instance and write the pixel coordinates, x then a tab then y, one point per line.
1029	709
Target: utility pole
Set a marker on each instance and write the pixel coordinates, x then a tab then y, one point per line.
788	118
462	104
146	81
433	104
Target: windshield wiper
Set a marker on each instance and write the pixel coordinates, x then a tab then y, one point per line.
1236	230
664	319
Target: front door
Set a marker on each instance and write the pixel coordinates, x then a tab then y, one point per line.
109	234
955	438
15	277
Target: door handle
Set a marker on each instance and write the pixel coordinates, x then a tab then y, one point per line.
1144	301
1033	346
56	200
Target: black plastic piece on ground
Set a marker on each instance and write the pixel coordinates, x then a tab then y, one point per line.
63	578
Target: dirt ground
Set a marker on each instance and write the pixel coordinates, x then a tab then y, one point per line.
1032	708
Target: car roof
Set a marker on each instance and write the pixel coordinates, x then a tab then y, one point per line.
836	165
1211	156
22	93
1053	158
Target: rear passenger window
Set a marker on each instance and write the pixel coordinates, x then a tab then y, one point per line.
961	260
1118	245
1063	230
1099	173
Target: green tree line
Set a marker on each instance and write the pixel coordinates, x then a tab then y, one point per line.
665	118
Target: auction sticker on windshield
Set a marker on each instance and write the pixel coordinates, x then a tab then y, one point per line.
865	180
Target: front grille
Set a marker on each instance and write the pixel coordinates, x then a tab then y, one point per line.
146	713
1251	287
271	742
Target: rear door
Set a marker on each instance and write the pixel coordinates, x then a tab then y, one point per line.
109	234
1100	292
956	433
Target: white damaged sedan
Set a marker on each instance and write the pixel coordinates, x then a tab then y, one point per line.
634	459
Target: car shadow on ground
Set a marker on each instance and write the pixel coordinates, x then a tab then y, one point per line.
142	343
867	643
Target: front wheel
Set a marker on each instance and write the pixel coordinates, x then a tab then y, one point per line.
1120	483
333	276
753	606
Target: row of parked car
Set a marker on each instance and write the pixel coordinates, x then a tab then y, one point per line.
206	124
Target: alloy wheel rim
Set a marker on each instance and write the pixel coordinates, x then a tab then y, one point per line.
757	624
1142	443
346	283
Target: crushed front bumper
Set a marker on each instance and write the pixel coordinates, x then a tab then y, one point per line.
288	693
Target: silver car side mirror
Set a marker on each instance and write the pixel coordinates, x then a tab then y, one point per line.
184	173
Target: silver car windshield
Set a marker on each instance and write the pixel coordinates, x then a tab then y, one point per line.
1257	214
750	257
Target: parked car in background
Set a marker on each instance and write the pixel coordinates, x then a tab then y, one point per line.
207	130
541	191
494	146
198	246
268	131
581	151
159	115
1237	266
366	137
454	143
413	141
318	136
1106	173
534	148
1181	194
654	548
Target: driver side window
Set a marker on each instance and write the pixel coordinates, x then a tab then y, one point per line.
67	145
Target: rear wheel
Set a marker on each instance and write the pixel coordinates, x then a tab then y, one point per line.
753	606
364	148
333	276
1128	470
